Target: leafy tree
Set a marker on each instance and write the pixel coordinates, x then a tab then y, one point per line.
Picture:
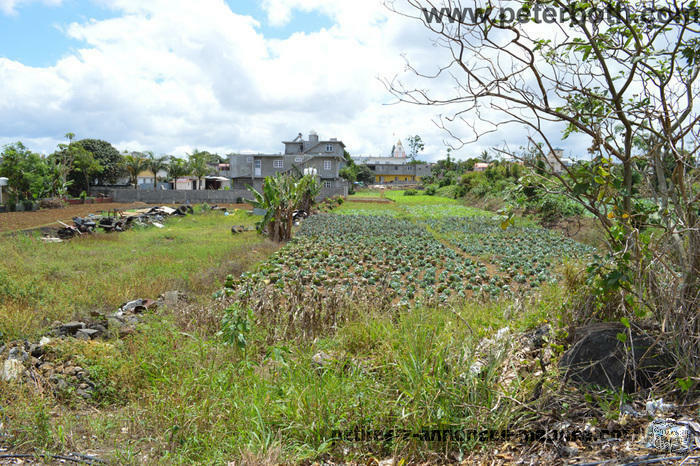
177	168
364	174
29	175
610	82
86	165
415	146
134	164
199	163
108	157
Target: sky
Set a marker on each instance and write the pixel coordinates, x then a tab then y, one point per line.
172	76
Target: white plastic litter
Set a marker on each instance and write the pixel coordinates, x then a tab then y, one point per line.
655	407
670	435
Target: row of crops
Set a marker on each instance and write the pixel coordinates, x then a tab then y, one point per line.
424	259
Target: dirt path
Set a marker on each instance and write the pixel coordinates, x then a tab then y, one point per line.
12	221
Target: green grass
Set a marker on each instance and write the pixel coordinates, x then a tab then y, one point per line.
183	399
43	282
419	199
366	193
175	393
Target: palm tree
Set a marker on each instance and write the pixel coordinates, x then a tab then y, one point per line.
134	164
199	165
155	164
177	168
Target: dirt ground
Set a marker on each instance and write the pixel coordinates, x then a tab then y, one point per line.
12	221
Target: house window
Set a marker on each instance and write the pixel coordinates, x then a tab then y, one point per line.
298	159
329	147
249	159
327	164
278	163
327	184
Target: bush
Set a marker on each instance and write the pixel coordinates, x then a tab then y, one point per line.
556	206
410	192
447	191
51	203
430	190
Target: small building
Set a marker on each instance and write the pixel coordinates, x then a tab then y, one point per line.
395	169
557	162
481	166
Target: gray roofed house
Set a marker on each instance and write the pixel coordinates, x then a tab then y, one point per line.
326	156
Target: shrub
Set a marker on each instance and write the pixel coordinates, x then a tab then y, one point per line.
410	192
51	203
430	190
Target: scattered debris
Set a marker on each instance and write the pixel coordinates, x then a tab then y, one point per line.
117	221
36	364
658	406
670	435
236	229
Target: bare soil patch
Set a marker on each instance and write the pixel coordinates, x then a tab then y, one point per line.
12	221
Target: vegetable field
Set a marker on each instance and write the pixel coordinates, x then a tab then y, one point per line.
404	255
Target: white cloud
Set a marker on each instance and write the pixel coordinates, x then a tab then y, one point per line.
174	75
9	7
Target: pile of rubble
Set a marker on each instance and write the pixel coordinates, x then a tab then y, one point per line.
117	220
37	364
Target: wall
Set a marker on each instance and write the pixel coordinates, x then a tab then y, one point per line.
195	197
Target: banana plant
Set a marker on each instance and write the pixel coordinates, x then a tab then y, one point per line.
281	195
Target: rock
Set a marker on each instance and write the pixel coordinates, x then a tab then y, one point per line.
598	357
322	359
12	369
126	331
18	354
567	451
70	328
59	382
86	334
83	393
36	350
115	321
540	336
101	330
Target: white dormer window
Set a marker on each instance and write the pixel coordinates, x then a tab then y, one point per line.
279	163
327	184
298	159
249	159
329	147
327	164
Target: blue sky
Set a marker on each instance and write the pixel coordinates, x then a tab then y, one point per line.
35	34
221	75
